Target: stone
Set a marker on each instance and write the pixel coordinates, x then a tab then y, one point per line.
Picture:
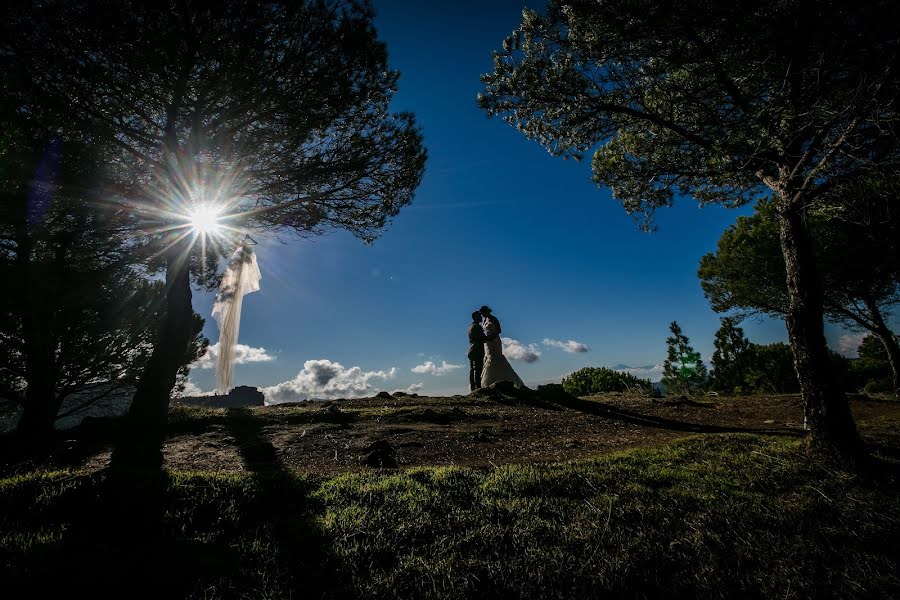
381	460
483	436
240	397
379	446
380	454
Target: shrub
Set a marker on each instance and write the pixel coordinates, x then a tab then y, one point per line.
593	380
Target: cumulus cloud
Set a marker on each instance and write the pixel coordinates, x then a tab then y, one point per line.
326	379
651	372
848	345
570	346
191	389
429	368
412	389
242	354
515	350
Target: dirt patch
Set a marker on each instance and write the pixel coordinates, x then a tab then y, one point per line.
462	430
478	431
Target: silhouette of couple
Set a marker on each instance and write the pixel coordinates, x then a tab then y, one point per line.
487	364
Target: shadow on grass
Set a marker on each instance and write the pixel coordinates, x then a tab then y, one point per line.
198	420
601	409
68	448
257	453
174	534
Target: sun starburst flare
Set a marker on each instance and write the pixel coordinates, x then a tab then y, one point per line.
205	219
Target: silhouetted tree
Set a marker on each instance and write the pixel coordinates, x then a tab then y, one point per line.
683	369
858	263
730	359
77	319
724	101
872	370
771	369
871	349
278	111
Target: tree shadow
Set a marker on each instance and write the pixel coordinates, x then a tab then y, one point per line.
182	534
608	411
66	449
296	533
257	453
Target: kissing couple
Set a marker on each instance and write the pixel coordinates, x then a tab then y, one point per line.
487	364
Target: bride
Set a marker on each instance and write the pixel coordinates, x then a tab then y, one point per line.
496	367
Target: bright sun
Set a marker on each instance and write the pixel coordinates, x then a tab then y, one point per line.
205	219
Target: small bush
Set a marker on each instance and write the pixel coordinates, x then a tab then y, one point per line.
878	386
594	380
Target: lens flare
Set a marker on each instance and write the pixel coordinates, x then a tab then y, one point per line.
205	220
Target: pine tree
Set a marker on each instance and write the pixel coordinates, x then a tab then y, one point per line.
278	113
730	358
683	371
739	100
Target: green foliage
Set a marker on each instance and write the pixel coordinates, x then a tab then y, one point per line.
81	321
595	380
871	351
771	369
279	111
746	274
871	371
723	103
730	358
284	105
857	250
732	511
683	370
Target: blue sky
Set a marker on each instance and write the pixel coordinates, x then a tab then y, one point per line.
496	221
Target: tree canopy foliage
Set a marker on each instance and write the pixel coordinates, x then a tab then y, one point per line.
595	380
279	109
79	317
858	262
724	102
730	364
683	369
274	112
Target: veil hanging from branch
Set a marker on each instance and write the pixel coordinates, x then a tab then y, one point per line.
241	277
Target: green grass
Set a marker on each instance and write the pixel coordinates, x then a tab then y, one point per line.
711	516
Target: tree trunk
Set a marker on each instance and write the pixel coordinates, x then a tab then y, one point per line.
39	411
40	407
827	411
140	446
39	292
888	340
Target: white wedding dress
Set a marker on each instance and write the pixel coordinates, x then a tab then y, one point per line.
496	367
241	277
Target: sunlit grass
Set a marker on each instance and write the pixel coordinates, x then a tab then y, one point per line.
709	516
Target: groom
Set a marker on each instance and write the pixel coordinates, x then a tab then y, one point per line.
476	351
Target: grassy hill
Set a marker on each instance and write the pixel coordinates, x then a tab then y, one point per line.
707	515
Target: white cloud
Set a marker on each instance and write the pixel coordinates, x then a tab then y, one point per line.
430	368
242	354
651	372
326	379
191	389
515	350
414	388
848	344
570	346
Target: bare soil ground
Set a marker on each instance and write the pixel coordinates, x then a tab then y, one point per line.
329	437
